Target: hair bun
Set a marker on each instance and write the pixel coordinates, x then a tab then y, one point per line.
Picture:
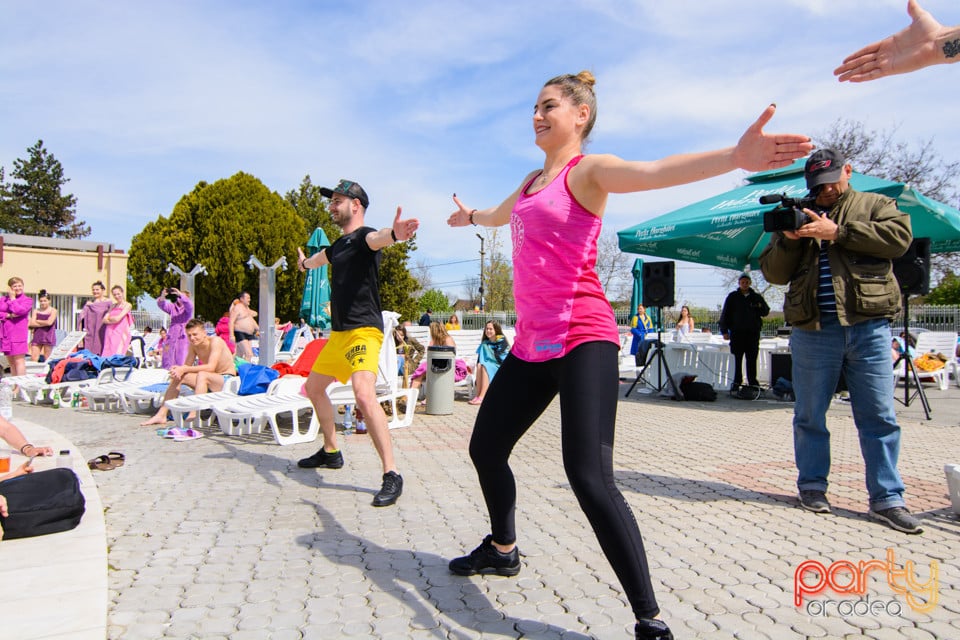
587	78
42	293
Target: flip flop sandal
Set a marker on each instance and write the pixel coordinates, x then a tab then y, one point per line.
116	458
101	463
188	434
173	433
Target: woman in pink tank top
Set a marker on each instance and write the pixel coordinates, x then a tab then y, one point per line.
566	334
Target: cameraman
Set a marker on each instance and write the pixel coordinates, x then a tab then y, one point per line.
841	298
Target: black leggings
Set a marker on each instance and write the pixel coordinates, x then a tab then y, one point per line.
587	381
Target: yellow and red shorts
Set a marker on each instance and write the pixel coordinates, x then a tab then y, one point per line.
349	351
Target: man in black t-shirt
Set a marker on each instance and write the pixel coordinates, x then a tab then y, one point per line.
352	353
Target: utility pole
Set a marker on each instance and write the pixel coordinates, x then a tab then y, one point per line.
481	271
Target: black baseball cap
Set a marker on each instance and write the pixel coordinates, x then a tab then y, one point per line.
347	188
824	166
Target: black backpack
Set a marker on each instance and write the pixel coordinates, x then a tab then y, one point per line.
692	390
41	502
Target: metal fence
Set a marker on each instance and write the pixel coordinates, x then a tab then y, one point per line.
930	317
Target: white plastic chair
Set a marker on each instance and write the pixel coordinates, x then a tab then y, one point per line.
944	342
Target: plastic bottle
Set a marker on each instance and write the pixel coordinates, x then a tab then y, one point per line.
348	419
75	400
361	427
56	399
6	400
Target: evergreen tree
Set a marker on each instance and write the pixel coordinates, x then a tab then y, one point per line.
220	226
34	203
307	201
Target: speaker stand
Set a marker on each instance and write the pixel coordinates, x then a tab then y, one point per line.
656	354
909	369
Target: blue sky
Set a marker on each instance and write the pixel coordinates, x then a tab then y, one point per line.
418	100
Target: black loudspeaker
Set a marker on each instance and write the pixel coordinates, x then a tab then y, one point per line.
912	269
658	284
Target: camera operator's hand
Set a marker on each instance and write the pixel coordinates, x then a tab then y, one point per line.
821	227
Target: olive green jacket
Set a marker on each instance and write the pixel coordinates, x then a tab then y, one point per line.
871	232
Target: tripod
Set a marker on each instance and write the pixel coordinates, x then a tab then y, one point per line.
909	369
656	354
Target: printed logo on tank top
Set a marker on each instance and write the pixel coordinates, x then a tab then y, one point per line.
547	348
516	232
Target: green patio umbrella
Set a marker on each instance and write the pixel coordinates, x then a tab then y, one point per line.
637	296
315	306
727	230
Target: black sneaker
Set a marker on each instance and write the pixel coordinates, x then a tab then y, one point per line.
813	500
322	458
486	559
652	629
390	491
897	518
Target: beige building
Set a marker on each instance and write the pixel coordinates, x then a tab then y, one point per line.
65	268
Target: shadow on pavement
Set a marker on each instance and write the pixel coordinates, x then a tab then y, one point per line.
445	602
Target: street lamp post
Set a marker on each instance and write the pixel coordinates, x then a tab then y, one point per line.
481	271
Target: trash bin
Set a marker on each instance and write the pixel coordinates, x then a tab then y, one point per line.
440	378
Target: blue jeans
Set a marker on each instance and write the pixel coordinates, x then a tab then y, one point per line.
862	353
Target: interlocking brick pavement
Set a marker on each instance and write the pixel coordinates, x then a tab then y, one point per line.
225	537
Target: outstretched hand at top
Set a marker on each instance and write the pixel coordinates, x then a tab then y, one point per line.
759	151
912	48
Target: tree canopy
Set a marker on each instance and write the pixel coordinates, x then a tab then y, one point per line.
435	300
220	226
34	204
946	293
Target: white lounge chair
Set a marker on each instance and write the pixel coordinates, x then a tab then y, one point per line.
389	387
243	416
249	415
105	393
198	403
944	342
61	350
246	415
141	345
303	336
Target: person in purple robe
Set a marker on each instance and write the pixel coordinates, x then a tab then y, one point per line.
15	309
180	308
91	318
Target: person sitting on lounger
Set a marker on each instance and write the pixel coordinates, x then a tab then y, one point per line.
209	364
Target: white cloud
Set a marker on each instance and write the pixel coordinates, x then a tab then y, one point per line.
418	100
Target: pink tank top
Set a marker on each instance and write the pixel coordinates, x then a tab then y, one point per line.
560	303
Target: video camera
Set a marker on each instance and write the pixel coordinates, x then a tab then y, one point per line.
788	215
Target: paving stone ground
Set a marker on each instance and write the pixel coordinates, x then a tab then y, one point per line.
225	537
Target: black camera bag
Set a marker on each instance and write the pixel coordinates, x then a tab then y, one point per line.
41	502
